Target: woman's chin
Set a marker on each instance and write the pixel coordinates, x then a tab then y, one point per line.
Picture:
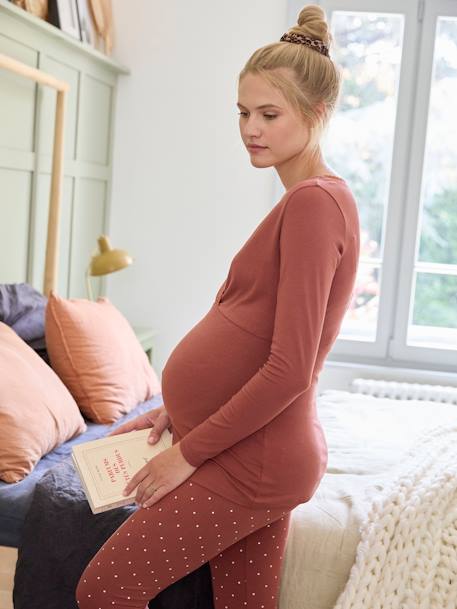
260	162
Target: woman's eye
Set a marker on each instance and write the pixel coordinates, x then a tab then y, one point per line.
268	116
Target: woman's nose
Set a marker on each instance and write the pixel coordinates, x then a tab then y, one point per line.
251	128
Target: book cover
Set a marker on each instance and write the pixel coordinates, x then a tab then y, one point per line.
106	465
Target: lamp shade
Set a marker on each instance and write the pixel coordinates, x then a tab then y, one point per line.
108	260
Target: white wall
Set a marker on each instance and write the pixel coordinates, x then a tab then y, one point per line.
185	196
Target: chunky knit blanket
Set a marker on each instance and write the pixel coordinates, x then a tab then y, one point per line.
407	554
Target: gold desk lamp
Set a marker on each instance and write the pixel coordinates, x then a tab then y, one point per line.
108	260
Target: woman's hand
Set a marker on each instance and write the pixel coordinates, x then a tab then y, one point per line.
157	418
161	474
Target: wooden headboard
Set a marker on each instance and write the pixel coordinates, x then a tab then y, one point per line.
52	241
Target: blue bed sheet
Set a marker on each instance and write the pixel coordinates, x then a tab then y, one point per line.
15	498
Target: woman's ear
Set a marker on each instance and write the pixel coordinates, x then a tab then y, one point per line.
320	107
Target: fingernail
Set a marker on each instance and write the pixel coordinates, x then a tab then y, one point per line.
124	492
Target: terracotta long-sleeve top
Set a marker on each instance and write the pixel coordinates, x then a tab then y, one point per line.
240	386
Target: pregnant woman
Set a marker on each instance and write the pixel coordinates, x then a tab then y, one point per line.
239	389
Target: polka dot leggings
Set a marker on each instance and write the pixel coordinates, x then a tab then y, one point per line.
158	545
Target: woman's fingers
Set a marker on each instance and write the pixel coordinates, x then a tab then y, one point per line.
152	493
145	488
153	436
143	421
130	426
145	483
140	475
160	425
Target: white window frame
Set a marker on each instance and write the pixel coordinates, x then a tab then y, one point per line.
402	214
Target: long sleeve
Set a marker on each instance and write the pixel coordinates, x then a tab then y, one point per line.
311	243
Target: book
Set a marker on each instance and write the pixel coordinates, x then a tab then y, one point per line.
106	465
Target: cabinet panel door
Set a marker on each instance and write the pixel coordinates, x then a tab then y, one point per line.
88	223
14	224
95	121
18	94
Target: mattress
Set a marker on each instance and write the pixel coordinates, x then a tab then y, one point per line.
15	498
366	437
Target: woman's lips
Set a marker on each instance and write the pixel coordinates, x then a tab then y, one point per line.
256	148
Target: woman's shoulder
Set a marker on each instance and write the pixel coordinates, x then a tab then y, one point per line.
308	194
332	184
326	200
321	188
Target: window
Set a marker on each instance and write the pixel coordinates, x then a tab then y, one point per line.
393	138
433	319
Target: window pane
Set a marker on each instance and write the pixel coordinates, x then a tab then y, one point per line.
363	309
434	321
358	143
438	227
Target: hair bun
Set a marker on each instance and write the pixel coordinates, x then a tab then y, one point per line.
312	22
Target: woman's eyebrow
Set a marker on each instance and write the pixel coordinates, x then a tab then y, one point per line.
260	107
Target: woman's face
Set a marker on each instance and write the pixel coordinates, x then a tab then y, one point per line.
277	127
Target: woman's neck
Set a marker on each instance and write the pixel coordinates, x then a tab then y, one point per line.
314	165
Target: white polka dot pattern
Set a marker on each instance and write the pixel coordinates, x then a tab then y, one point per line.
245	555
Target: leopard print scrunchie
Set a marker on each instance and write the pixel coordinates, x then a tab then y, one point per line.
314	43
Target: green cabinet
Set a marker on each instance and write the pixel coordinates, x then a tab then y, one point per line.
26	141
145	337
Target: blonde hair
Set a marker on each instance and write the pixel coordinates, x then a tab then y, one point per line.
314	80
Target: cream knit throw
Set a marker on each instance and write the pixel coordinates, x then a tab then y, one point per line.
407	554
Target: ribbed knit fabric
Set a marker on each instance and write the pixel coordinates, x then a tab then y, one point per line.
240	386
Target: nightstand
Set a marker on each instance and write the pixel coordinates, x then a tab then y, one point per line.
146	338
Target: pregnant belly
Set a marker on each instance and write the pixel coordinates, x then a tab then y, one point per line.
209	365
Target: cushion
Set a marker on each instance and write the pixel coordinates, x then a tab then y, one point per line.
94	350
22	308
37	412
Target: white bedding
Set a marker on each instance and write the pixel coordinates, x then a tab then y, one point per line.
366	438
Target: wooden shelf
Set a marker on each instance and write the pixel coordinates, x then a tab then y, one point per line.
8	9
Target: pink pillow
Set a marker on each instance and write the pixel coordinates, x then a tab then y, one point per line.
95	352
37	412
